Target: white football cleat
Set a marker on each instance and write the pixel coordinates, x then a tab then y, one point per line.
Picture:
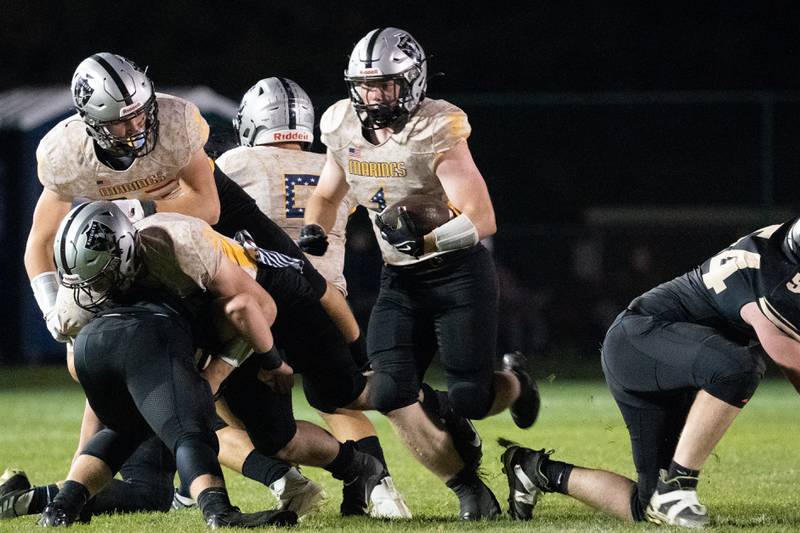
676	506
297	493
387	502
181	502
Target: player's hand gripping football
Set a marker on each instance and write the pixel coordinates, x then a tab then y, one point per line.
313	239
404	236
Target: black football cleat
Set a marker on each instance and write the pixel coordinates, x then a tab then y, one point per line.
526	409
56	516
356	492
476	500
526	482
236	518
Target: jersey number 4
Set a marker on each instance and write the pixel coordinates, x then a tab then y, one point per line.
729	261
726	263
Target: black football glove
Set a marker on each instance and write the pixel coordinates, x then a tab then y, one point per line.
404	237
313	239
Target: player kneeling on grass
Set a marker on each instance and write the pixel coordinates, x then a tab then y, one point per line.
682	361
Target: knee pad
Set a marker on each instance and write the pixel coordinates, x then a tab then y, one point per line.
275	439
386	394
196	456
330	396
470	400
738	383
110	447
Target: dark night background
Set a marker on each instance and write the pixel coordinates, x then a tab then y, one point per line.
622	142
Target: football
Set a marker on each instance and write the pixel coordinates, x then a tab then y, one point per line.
427	212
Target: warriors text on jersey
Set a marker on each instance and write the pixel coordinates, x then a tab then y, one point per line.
178	253
69	166
281	182
405	164
755	268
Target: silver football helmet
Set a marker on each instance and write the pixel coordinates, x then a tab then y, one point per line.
381	55
275	110
110	90
95	252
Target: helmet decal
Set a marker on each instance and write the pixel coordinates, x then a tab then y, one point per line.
82	91
99	237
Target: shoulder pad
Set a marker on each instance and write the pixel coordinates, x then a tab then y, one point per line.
334	116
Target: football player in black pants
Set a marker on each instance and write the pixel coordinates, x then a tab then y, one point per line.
136	366
681	362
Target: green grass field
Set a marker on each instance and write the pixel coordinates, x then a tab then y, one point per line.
749	484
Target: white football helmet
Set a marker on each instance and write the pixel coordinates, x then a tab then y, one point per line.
109	89
95	252
381	55
275	110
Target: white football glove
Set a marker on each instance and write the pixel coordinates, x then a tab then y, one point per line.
45	289
54	326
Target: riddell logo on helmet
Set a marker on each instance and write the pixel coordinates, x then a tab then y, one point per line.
302	136
369	71
127	110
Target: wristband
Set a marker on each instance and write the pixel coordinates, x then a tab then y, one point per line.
45	289
455	234
270	360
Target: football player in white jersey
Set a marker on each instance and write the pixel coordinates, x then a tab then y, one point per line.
438	291
275	125
142	146
183	256
144	150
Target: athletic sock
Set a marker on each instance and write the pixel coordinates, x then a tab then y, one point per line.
34	501
341	465
557	474
263	469
214	501
465	478
686	477
372	446
72	497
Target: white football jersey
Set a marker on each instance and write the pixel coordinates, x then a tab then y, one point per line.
402	165
69	166
281	181
178	253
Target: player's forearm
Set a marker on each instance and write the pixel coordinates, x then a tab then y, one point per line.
786	354
247	318
321	211
38	256
482	218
